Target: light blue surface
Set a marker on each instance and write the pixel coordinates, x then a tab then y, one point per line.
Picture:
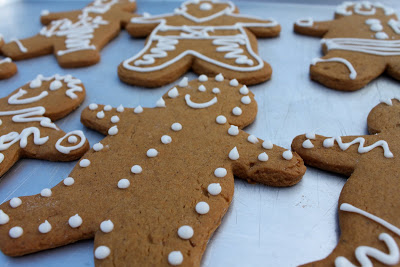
263	224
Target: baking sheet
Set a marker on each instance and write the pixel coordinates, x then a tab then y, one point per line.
264	226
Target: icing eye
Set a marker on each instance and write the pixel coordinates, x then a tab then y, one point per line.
202	88
216	90
206	6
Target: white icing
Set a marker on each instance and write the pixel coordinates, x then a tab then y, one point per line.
202	208
16	232
120	108
1	157
138	109
233	130
207	104
69	181
14	99
45	227
381	35
237	111
5	60
245	100
67	150
234	154
114	119
206	6
46	192
100	115
107	108
151	153
252	139
216	90
305	22
136	169
102	252
267	144
263	157
395	25
72	139
233	82
4	218
160	103
376	27
244	90
15	202
353	73
329	142
310	136
44	12
123	183
36	83
307	144
364	8
75	221
185	232
84	163
55	85
288	155
221	119
98	147
368	46
176	126
21	47
166	139
184	82
173	93
106	226
214	189
175	258
202	88
387	101
9	139
203	78
113	130
220	172
219	77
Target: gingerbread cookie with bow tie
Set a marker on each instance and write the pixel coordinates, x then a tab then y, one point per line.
361	43
26	127
208	37
155	189
369	203
75	37
7	67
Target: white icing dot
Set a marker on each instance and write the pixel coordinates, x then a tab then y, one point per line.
328	142
233	130
263	157
310	136
45	227
202	88
376	27
234	154
4	218
75	221
106	226
55	85
233	82
123	183
237	111
93	106
102	252
173	93
252	139
176	127
372	21
221	119
151	153
214	189
46	192
100	114
216	90
219	78
138	110
244	90
160	103
114	119
308	144
381	35
69	181
136	169
15	202
184	82
175	258
220	172
44	12
387	101
1	122
113	130
185	232
267	144
98	146
16	232
203	78
246	100
107	107
36	83
166	139
84	163
288	155
120	108
72	139
1	157
202	207
205	6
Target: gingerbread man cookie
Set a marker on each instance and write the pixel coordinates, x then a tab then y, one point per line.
7	67
369	203
26	127
361	43
206	36
156	188
75	37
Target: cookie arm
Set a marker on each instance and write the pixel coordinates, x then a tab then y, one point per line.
260	27
27	48
48	17
266	166
143	26
310	27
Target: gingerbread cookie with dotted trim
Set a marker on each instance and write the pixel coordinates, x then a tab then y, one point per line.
369	203
209	37
26	127
75	37
156	188
7	67
361	43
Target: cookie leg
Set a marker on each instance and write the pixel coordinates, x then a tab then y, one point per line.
346	71
27	48
7	68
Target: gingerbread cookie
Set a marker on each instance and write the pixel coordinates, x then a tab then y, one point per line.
156	188
209	37
26	115
7	67
75	37
369	203
361	43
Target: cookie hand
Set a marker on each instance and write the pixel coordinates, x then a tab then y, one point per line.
308	26
27	48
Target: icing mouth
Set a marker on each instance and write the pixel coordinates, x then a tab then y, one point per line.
192	104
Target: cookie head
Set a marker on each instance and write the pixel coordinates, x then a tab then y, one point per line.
385	116
215	96
203	9
364	8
